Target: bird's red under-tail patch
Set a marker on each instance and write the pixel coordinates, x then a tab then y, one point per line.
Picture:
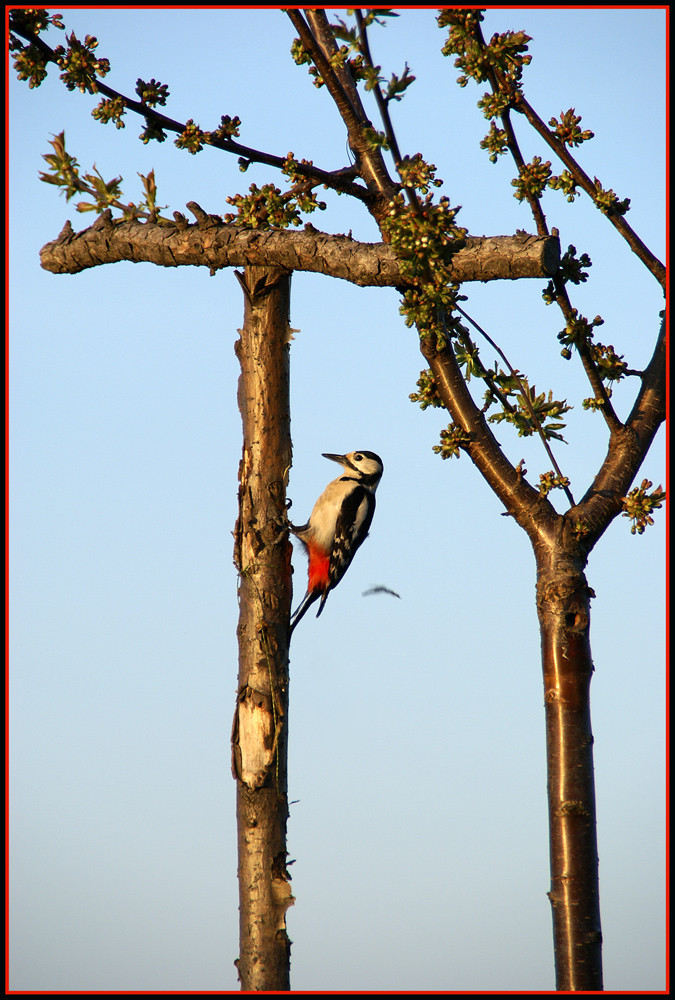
317	571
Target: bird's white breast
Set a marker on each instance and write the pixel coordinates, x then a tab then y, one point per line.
325	513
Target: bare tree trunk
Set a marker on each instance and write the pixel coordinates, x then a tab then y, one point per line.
263	558
563	602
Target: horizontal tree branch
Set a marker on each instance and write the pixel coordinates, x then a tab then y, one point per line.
215	244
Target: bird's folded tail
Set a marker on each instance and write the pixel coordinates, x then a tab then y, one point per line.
310	597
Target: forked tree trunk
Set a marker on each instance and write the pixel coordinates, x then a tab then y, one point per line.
263	558
563	604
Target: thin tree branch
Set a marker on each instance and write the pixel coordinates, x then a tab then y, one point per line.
369	159
589	365
531	509
524	391
627	450
315	48
377	91
324	38
562	298
512	142
383	108
338	180
651	262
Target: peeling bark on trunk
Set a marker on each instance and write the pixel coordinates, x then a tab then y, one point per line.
263	558
563	604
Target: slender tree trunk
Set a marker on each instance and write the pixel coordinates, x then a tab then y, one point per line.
563	602
262	556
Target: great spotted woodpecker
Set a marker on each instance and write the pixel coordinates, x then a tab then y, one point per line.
338	525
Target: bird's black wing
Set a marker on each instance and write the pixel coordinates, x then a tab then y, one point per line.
352	527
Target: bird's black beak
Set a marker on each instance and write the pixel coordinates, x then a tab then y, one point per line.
340	459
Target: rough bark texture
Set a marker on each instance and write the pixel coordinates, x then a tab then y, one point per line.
214	244
263	558
563	605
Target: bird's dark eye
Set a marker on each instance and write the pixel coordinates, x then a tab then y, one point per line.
358	458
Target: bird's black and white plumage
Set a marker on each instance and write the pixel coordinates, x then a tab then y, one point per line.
338	525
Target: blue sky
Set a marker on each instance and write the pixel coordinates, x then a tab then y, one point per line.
417	768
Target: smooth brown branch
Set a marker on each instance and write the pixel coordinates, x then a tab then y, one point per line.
343	100
368	157
525	394
627	450
323	36
528	506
